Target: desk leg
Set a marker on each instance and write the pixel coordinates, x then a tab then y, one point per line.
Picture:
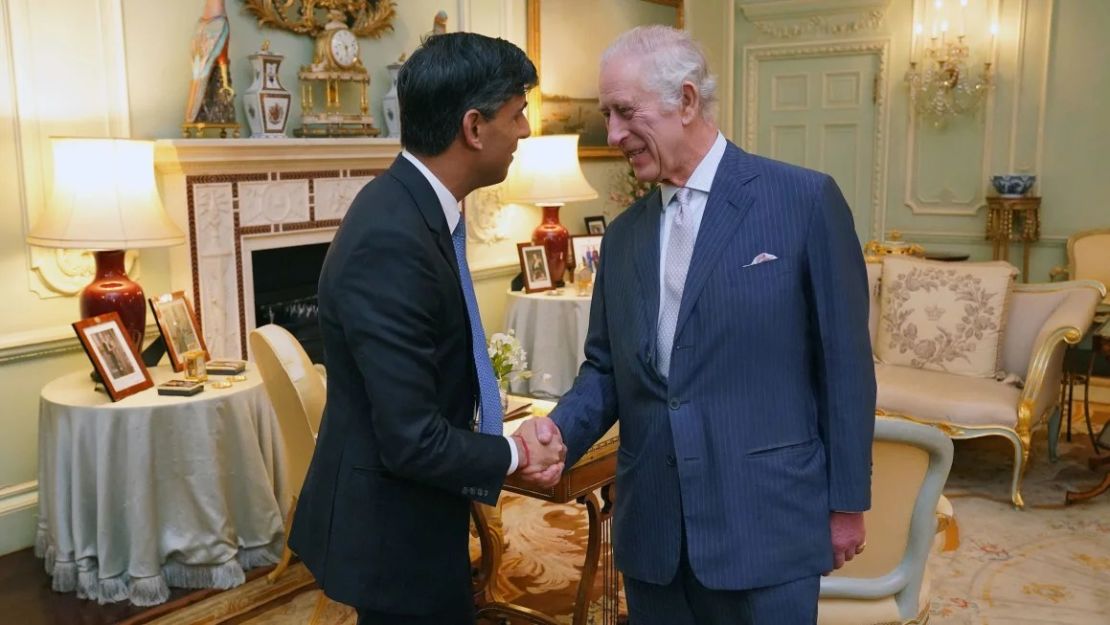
600	531
493	609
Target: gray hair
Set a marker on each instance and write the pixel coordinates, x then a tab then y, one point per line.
669	58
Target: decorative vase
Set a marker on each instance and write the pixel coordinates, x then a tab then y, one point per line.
554	238
266	101
112	291
391	107
503	390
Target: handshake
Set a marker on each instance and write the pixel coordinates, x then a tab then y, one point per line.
540	452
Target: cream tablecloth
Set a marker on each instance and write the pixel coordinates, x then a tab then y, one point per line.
156	491
552	329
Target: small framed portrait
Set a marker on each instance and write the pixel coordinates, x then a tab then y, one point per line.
113	354
586	249
178	326
595	224
534	267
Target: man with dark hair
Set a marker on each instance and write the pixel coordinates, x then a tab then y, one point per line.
411	432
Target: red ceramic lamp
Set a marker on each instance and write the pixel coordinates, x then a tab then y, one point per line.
104	198
545	172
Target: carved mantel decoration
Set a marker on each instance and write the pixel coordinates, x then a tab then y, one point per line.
365	18
791	19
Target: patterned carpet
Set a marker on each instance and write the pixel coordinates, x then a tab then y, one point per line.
1048	564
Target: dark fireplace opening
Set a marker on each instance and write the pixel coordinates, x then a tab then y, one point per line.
285	282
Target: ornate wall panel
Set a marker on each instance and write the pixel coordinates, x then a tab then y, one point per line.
836	89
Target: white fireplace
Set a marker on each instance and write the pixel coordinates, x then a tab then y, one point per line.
237	196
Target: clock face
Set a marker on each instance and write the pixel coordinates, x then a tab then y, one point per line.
344	47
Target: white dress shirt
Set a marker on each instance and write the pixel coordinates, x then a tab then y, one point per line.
699	183
452	213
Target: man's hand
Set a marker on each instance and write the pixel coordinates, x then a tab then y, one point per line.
544	452
847	536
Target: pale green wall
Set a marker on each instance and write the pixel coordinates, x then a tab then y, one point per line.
1071	152
1077	127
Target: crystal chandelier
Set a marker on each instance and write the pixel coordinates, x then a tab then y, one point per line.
941	83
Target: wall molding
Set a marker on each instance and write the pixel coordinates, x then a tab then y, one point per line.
19	497
53	273
947	203
45	342
494	270
789	19
756	54
953	236
726	81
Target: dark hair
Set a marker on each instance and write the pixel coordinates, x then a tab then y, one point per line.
450	74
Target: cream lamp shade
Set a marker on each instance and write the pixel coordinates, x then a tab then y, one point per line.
545	171
104	197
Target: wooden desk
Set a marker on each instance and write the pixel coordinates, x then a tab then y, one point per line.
595	471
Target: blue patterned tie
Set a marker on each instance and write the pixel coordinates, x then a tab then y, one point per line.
490	417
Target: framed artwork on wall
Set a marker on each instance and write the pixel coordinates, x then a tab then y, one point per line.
113	354
565	101
534	267
179	327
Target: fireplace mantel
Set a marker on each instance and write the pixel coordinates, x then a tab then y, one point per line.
192	156
233	196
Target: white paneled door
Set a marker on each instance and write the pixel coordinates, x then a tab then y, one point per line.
819	112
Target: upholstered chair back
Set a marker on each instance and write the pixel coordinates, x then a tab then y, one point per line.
297	392
887	583
1089	257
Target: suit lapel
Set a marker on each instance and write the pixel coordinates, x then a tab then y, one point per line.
728	204
645	244
428	204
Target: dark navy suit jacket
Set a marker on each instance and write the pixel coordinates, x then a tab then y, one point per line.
383	517
766	421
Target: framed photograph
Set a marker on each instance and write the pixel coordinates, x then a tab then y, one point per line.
595	224
586	246
534	267
565	101
113	354
178	326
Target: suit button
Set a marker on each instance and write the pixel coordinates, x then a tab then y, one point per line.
670	460
674	404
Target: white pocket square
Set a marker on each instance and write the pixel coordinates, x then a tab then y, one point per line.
762	258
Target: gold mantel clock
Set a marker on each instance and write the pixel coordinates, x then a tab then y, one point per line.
336	74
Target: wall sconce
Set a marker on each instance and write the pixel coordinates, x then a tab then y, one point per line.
940	81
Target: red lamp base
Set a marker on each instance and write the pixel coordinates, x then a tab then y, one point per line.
112	291
554	237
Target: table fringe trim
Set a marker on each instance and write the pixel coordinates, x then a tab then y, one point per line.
83	577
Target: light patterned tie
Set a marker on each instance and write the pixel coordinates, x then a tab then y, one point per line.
680	247
490	415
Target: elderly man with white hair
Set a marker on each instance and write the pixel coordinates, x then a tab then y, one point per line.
728	335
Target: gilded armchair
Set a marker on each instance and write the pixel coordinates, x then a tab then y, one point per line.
1088	258
1040	320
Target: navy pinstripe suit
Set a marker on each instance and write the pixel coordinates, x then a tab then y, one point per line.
766	421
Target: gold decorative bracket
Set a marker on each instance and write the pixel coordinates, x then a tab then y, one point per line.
364	18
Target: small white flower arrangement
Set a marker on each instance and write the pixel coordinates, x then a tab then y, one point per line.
509	359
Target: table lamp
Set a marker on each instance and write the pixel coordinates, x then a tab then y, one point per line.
104	198
545	172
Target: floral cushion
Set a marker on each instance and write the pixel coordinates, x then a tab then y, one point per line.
943	316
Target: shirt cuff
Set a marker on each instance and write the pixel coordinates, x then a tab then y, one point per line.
512	454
